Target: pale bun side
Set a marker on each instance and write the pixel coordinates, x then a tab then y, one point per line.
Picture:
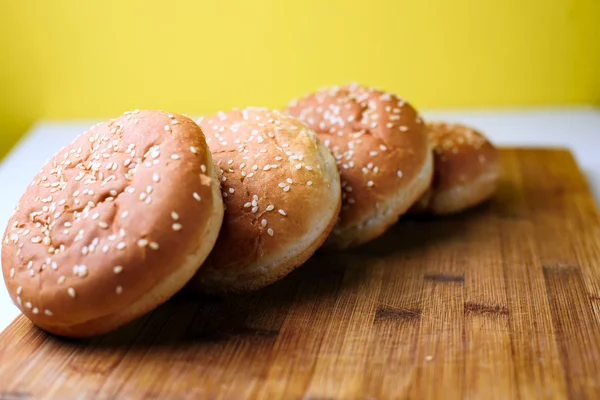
382	152
380	219
115	224
466	169
282	195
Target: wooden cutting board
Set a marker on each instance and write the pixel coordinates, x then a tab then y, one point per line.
500	302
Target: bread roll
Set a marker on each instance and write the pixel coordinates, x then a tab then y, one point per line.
282	195
466	169
382	152
113	225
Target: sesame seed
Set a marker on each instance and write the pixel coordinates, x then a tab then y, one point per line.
141	242
27	304
102	224
12	272
248	205
403	128
196	196
174	215
167	128
289	180
36	239
19	290
71	292
370	183
254	209
35	310
309	183
263	222
399	173
121	245
193	150
298	166
124	214
286	189
80	270
143	195
48	313
175	156
61	279
270	231
119	289
31	272
176	227
282	212
270	207
231	190
154	245
382	147
155	177
118	269
372	153
54	265
203	168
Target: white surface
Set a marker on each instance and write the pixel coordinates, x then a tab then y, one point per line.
575	128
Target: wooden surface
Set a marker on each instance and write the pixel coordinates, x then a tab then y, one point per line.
501	302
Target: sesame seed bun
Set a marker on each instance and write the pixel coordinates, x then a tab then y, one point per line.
466	169
282	196
382	152
113	225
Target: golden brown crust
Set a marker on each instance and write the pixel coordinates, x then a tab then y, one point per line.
466	169
112	217
382	152
282	195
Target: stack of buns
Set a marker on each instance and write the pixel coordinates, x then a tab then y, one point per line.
141	206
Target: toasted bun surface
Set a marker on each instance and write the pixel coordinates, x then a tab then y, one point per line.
113	225
466	169
382	151
282	196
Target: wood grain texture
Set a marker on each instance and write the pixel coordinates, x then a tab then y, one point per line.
501	302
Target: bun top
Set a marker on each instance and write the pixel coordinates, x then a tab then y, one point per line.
108	217
462	155
378	140
280	188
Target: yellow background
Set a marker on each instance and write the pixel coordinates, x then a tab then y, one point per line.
97	58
